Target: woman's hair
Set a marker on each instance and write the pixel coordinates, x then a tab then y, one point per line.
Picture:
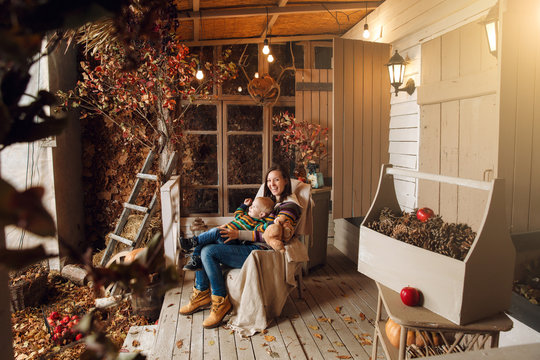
285	173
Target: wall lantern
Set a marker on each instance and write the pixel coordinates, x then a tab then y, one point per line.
491	24
396	70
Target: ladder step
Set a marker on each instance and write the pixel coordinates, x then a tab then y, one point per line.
136	207
147	176
121	239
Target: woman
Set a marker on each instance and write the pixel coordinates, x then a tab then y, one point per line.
210	278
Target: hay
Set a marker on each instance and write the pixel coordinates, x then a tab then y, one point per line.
129	232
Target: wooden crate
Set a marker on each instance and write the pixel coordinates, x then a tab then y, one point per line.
461	291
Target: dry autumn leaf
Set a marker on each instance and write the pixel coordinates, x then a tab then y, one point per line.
318	336
323	319
179	344
338	309
135	343
344	357
211	342
313	327
269	338
264	331
362	316
332	350
338	343
348	319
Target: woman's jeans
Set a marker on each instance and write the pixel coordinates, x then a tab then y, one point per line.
212	255
212	236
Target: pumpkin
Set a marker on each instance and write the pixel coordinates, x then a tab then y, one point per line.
393	331
132	255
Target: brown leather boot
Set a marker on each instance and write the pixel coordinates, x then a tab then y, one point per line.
220	307
199	301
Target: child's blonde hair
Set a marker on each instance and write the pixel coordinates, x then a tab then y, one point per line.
266	204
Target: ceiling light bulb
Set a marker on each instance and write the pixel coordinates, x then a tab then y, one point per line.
366	31
256	75
199	75
266	49
239	89
270	58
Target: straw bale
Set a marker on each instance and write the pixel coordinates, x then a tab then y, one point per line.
130	231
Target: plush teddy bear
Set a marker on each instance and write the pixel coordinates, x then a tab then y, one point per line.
279	233
272	235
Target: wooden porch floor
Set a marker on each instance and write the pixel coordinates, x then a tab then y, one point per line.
333	321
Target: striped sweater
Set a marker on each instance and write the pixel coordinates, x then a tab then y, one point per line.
242	221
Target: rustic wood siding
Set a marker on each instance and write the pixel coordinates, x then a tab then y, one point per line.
315	106
519	144
459	121
360	123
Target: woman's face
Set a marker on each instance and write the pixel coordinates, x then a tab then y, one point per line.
276	182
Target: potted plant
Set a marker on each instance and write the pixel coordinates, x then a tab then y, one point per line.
301	139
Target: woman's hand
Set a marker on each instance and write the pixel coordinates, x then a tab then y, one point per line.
231	234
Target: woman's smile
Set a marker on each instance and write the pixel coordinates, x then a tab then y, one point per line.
275	182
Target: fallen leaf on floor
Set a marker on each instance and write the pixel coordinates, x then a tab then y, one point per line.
211	342
348	319
242	348
344	357
332	350
135	343
338	309
323	319
269	338
264	331
179	344
318	336
272	353
338	343
170	305
362	316
313	327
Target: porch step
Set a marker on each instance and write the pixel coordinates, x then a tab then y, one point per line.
139	339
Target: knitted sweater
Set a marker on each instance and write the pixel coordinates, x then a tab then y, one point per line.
242	220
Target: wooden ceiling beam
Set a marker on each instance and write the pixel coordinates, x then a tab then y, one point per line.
196	22
277	10
273	19
275	40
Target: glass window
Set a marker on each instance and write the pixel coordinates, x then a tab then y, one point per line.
249	61
323	57
200	201
283	59
244	118
199	160
244	159
200	117
237	197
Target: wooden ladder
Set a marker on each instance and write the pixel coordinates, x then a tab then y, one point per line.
148	212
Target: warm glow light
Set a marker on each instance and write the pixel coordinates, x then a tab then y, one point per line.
239	89
266	49
366	31
491	30
256	75
199	75
270	58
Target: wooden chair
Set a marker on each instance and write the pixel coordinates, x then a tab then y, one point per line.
259	289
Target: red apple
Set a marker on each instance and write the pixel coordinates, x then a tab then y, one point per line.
75	317
54	315
410	296
78	337
55	337
424	214
58	329
66	319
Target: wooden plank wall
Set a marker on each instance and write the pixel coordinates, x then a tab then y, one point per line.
519	145
316	107
458	122
360	124
403	137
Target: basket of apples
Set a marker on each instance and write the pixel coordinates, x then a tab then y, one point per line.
63	328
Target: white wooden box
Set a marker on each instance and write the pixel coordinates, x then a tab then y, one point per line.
461	291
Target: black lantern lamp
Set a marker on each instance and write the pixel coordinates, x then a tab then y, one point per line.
396	70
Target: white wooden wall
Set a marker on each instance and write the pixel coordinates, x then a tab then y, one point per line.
406	25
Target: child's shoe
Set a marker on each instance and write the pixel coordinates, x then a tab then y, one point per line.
194	263
187	244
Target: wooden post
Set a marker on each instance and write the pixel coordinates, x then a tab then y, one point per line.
6	340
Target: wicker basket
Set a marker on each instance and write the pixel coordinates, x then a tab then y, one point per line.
25	292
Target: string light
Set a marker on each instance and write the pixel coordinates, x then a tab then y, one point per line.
199	75
239	89
266	49
270	58
366	27
256	75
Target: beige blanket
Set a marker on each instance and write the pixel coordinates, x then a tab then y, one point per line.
259	289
